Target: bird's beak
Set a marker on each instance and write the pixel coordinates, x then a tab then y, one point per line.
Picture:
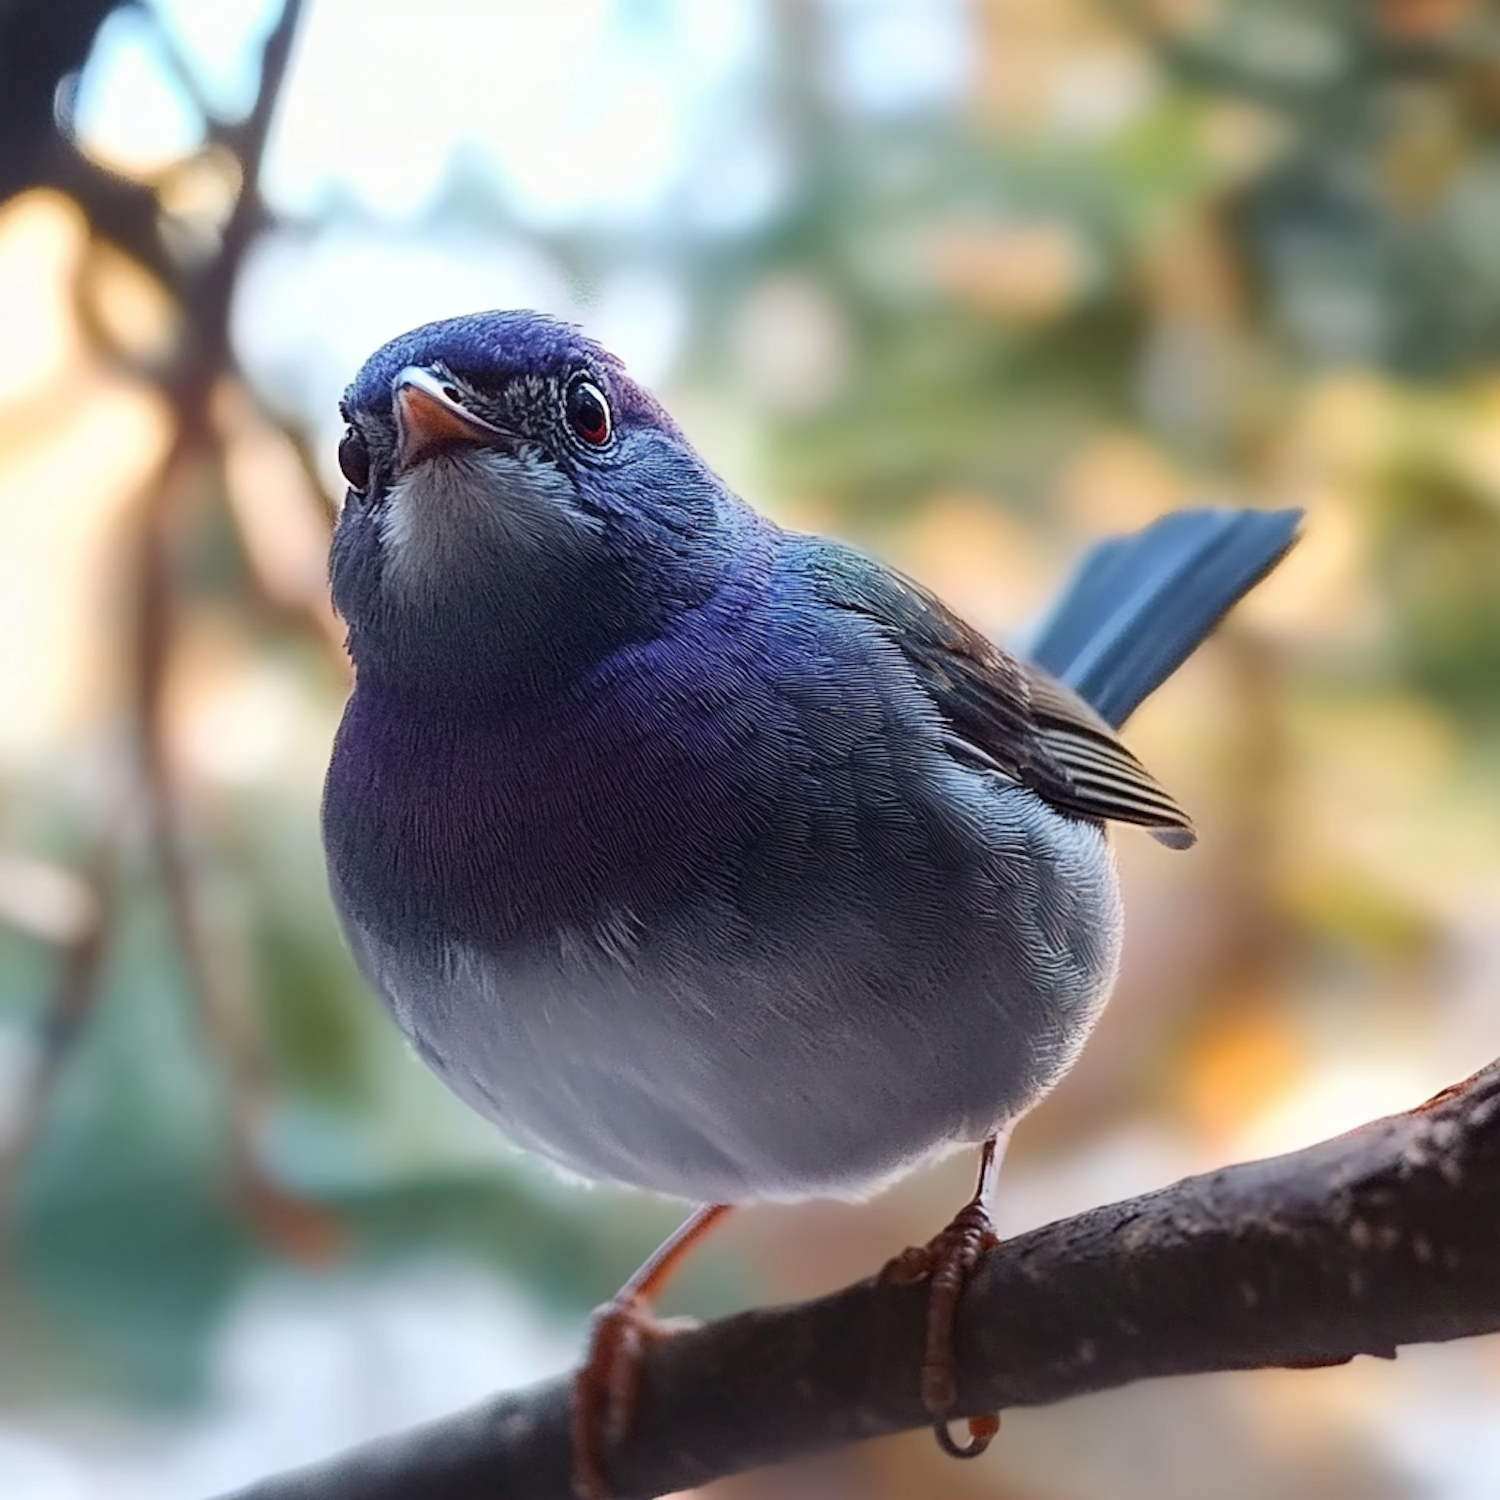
430	418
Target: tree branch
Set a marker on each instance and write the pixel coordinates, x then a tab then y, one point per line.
1386	1236
68	1007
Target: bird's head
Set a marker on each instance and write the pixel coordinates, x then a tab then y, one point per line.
517	508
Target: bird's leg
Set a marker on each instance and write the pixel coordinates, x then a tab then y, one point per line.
606	1385
946	1263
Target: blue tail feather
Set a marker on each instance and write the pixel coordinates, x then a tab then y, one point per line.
1140	605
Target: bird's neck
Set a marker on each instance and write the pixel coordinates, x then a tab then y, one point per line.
480	655
514	631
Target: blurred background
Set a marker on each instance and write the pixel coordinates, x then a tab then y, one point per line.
970	282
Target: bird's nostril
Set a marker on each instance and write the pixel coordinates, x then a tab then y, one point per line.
451	392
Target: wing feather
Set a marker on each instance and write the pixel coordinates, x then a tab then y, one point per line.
1004	715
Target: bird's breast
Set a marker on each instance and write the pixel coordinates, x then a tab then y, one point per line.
583	811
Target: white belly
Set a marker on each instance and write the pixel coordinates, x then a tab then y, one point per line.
717	1063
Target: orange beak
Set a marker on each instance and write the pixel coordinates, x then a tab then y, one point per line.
431	418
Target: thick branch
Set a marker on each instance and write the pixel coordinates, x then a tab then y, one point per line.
1386	1236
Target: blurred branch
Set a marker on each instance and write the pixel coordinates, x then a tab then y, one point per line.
209	305
74	991
307	460
196	451
1388	1235
51	41
184	74
42	44
298	1226
285	519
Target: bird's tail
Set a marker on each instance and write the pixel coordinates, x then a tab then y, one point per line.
1140	605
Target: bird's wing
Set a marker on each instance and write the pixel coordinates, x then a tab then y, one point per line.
1003	714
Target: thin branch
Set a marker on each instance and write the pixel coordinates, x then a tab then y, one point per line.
196	450
128	214
314	616
297	1225
68	1006
208	311
1389	1235
123	212
184	74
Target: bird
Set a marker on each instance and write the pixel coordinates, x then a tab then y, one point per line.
707	856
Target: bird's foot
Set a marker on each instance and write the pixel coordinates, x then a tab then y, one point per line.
607	1385
605	1390
608	1382
946	1262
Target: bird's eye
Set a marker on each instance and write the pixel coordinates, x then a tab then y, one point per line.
354	458
588	413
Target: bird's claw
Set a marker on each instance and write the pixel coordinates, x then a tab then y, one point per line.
946	1262
609	1379
605	1389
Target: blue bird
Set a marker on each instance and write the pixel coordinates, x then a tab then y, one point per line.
705	856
